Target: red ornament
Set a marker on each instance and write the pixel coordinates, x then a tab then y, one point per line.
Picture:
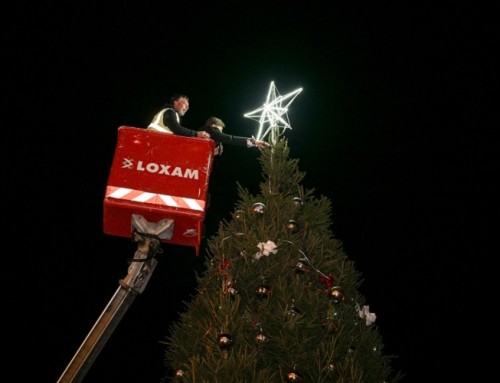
224	265
327	281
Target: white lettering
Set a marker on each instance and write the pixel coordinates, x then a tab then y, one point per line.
152	167
190	173
164	169
177	172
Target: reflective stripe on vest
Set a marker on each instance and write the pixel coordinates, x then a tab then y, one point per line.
157	123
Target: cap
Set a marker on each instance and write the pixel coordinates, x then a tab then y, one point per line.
215	121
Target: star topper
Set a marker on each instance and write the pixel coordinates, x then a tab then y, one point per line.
272	116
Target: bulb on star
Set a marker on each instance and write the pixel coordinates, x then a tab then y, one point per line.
272	116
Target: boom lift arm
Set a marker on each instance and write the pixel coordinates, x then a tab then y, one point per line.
148	236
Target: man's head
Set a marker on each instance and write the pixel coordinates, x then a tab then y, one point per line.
180	102
215	122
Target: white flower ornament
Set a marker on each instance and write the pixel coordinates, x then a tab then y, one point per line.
369	317
266	249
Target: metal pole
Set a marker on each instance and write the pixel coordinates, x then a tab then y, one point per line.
138	276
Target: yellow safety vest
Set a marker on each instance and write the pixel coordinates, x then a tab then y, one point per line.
157	123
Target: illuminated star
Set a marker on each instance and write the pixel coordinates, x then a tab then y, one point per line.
272	116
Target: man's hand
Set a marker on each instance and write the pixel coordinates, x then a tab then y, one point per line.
261	144
203	134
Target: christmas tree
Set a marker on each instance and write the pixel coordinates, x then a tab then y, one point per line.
278	300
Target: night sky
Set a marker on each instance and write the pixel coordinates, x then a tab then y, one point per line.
393	125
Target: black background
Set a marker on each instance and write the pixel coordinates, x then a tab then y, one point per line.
394	125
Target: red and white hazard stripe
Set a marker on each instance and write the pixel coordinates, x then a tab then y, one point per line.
154	198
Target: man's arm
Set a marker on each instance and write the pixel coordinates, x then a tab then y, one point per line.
170	120
229	139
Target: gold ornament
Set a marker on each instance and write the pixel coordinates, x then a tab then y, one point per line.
263	291
259	208
292	226
293	312
293	377
179	374
231	290
301	266
336	294
261	337
224	340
